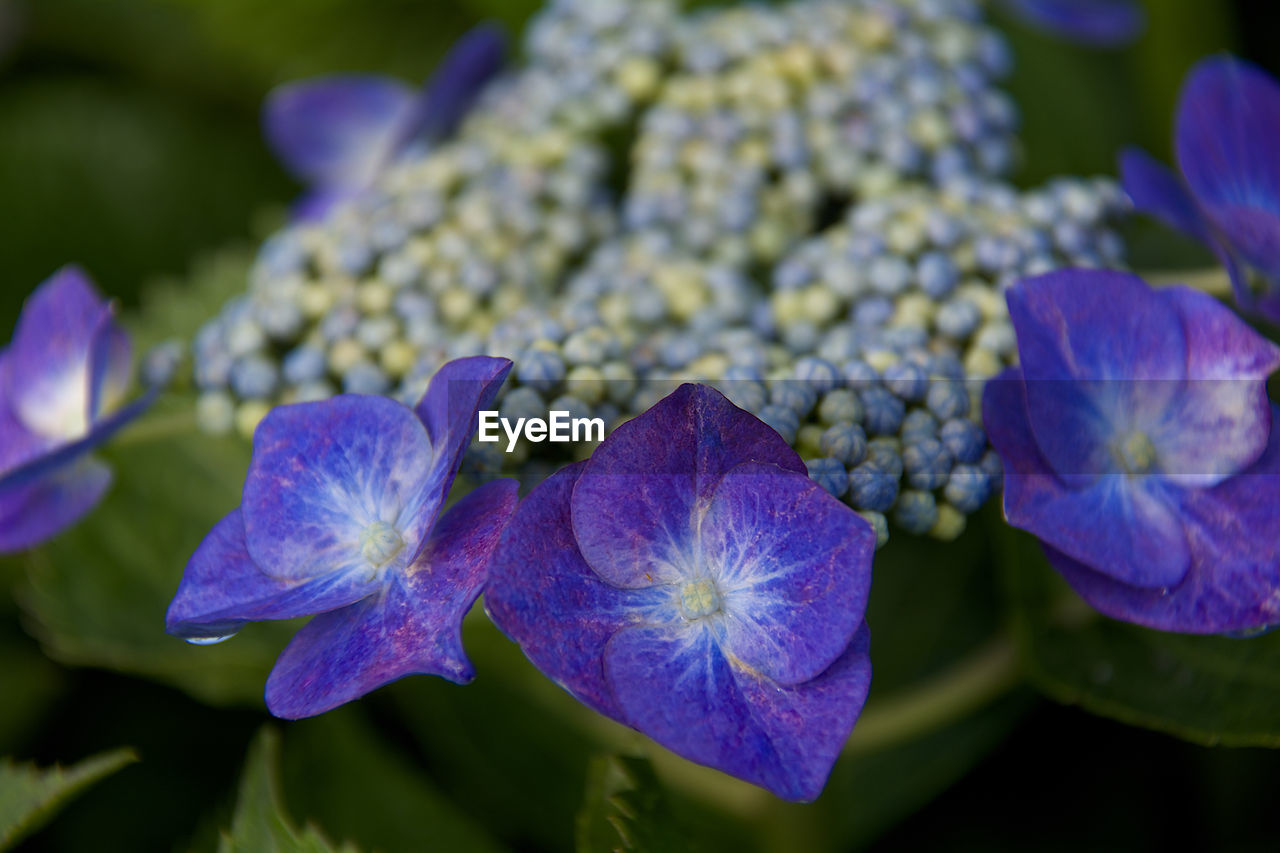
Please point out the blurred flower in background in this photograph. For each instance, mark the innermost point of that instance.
(1100, 23)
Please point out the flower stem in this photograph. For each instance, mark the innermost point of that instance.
(1212, 280)
(909, 714)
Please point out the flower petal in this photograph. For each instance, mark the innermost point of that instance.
(1234, 580)
(48, 361)
(414, 627)
(448, 409)
(323, 473)
(1100, 23)
(633, 506)
(468, 67)
(222, 589)
(110, 362)
(1155, 189)
(793, 566)
(1220, 421)
(675, 685)
(1228, 120)
(338, 131)
(1126, 529)
(17, 443)
(1102, 355)
(38, 510)
(544, 596)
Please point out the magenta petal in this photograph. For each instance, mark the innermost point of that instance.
(544, 596)
(633, 505)
(793, 566)
(1155, 189)
(459, 79)
(39, 510)
(675, 685)
(222, 589)
(449, 408)
(338, 131)
(413, 627)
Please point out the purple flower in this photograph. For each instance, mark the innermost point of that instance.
(1228, 195)
(1101, 23)
(62, 380)
(1137, 445)
(337, 133)
(691, 582)
(339, 518)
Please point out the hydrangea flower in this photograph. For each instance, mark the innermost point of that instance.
(62, 380)
(1101, 23)
(690, 581)
(1228, 195)
(1138, 446)
(337, 133)
(339, 518)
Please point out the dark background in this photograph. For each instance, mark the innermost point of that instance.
(129, 144)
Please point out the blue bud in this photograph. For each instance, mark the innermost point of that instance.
(916, 512)
(872, 488)
(830, 474)
(964, 440)
(884, 411)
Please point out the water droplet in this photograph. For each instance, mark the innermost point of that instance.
(210, 641)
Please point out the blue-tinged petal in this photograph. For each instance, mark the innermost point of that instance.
(413, 627)
(39, 510)
(459, 79)
(674, 684)
(1102, 355)
(448, 409)
(633, 506)
(793, 567)
(345, 484)
(1234, 580)
(48, 361)
(338, 131)
(1125, 527)
(1101, 23)
(1228, 121)
(1220, 421)
(110, 363)
(1155, 189)
(222, 589)
(17, 443)
(544, 596)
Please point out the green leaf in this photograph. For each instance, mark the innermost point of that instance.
(260, 824)
(626, 809)
(360, 787)
(30, 796)
(1210, 690)
(97, 594)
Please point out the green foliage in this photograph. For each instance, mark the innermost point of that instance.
(626, 810)
(260, 824)
(30, 796)
(1210, 690)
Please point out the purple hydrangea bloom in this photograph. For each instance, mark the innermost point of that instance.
(1137, 445)
(63, 378)
(337, 133)
(691, 582)
(1228, 195)
(1101, 23)
(341, 517)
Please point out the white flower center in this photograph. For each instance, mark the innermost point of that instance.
(1136, 453)
(699, 599)
(380, 543)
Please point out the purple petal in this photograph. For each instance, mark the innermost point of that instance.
(1228, 121)
(1102, 356)
(110, 363)
(544, 596)
(326, 477)
(1125, 528)
(413, 628)
(48, 361)
(1220, 421)
(1100, 23)
(338, 131)
(793, 567)
(222, 589)
(39, 510)
(675, 685)
(448, 409)
(1233, 581)
(633, 505)
(459, 79)
(17, 443)
(1155, 189)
